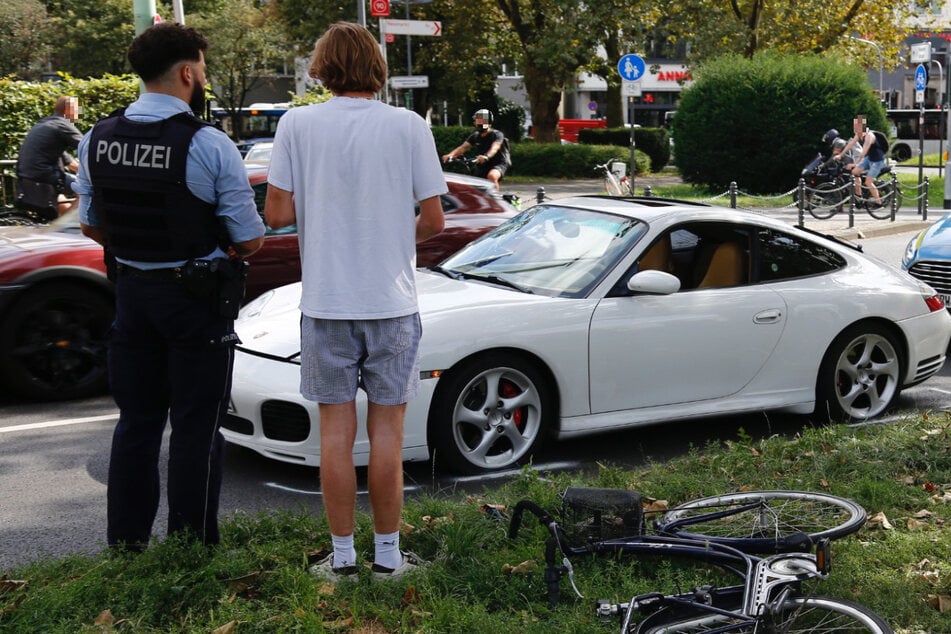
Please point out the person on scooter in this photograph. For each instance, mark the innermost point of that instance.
(870, 161)
(837, 143)
(493, 148)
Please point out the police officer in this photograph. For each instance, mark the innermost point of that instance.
(169, 198)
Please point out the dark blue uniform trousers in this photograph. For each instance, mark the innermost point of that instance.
(170, 359)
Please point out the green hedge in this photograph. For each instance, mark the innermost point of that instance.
(759, 121)
(655, 142)
(551, 160)
(23, 103)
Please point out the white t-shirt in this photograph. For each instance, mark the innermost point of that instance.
(356, 168)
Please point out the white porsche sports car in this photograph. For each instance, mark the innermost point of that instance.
(593, 314)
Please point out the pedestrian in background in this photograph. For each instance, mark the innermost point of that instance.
(349, 173)
(45, 153)
(166, 193)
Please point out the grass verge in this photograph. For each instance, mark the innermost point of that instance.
(480, 581)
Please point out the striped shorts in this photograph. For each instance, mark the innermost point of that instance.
(378, 355)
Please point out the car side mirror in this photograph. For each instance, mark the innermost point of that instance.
(654, 283)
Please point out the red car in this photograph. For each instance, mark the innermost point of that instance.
(56, 305)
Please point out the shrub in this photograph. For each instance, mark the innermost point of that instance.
(655, 142)
(758, 121)
(23, 103)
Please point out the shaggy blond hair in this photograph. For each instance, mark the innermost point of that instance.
(346, 58)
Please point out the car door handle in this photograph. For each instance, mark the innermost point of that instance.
(769, 316)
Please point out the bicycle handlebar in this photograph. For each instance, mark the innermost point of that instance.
(544, 517)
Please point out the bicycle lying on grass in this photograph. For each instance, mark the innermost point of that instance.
(613, 185)
(729, 532)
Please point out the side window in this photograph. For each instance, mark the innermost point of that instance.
(782, 256)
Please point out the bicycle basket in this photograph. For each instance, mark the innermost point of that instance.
(593, 515)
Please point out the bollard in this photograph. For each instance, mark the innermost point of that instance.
(733, 194)
(801, 201)
(540, 195)
(851, 209)
(647, 192)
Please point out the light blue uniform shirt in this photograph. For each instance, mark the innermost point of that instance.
(214, 172)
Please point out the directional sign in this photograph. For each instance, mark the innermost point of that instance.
(409, 81)
(411, 27)
(631, 67)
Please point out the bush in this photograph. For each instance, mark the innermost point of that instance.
(654, 142)
(758, 121)
(23, 103)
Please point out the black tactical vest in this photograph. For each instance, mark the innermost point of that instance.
(146, 210)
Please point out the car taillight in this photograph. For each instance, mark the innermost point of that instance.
(934, 302)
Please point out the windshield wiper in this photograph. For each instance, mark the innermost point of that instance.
(501, 281)
(450, 274)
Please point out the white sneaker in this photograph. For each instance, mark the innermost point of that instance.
(410, 562)
(325, 570)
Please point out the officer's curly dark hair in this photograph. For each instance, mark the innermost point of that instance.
(163, 45)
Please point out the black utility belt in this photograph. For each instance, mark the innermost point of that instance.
(219, 279)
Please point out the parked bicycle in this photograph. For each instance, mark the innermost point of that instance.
(762, 538)
(613, 185)
(828, 188)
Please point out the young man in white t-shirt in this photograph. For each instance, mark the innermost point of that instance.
(349, 172)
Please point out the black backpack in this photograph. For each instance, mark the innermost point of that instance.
(882, 140)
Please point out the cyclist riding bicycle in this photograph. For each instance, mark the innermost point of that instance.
(494, 158)
(871, 158)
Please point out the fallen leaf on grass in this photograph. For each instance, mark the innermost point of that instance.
(940, 602)
(435, 522)
(923, 514)
(880, 520)
(339, 624)
(914, 524)
(411, 596)
(925, 571)
(227, 628)
(523, 568)
(9, 585)
(652, 505)
(105, 618)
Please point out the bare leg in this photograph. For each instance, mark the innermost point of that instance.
(338, 478)
(385, 474)
(495, 177)
(870, 184)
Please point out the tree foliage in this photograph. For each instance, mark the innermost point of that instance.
(24, 41)
(556, 38)
(745, 27)
(90, 39)
(245, 46)
(758, 121)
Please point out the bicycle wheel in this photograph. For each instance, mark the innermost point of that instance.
(825, 201)
(611, 184)
(760, 521)
(799, 615)
(886, 192)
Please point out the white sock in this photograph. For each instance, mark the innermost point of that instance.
(387, 550)
(344, 553)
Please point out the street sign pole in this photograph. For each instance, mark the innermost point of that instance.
(631, 68)
(921, 84)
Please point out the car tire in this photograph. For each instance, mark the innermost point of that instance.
(488, 414)
(860, 375)
(53, 342)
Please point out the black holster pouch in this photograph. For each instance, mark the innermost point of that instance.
(232, 275)
(112, 269)
(222, 280)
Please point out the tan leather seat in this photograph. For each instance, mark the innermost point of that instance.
(657, 257)
(727, 267)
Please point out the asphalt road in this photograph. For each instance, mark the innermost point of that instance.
(54, 461)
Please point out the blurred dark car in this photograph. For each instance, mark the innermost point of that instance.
(56, 305)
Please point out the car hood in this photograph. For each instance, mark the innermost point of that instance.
(275, 328)
(935, 242)
(15, 241)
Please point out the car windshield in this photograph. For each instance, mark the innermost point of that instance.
(549, 250)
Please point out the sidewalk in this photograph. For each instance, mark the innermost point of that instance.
(863, 225)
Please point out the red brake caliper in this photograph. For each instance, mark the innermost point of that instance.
(510, 390)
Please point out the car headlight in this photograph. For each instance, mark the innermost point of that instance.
(912, 249)
(256, 306)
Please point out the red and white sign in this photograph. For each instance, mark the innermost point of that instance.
(390, 38)
(411, 27)
(380, 8)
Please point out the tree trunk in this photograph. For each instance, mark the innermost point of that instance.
(544, 103)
